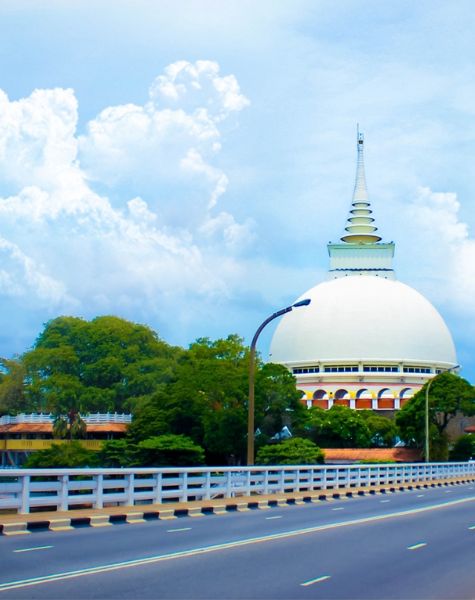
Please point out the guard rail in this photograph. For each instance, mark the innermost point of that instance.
(63, 489)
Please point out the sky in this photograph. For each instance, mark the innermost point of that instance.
(184, 163)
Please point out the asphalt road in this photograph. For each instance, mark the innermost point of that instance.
(405, 545)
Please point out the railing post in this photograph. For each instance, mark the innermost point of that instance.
(282, 481)
(64, 492)
(266, 481)
(228, 485)
(99, 491)
(158, 488)
(130, 489)
(25, 494)
(184, 486)
(208, 485)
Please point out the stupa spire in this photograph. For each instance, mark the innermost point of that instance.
(360, 226)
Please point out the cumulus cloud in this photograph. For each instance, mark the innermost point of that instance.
(448, 248)
(84, 217)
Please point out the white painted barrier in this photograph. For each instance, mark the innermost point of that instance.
(62, 489)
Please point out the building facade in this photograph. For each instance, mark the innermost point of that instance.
(366, 340)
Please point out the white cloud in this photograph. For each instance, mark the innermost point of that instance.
(67, 246)
(448, 250)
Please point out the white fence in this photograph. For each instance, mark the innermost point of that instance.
(63, 489)
(49, 418)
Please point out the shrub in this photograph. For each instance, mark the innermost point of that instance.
(295, 451)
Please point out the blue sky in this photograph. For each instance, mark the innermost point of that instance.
(184, 164)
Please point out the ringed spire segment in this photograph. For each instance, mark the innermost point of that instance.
(360, 226)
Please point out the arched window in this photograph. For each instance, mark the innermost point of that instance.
(385, 399)
(363, 399)
(320, 399)
(342, 397)
(404, 395)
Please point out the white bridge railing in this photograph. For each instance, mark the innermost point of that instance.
(64, 489)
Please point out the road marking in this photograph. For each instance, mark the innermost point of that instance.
(316, 580)
(420, 495)
(417, 546)
(472, 527)
(470, 488)
(448, 491)
(276, 517)
(338, 508)
(32, 549)
(107, 568)
(178, 529)
(383, 501)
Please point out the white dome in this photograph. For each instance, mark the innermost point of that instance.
(363, 318)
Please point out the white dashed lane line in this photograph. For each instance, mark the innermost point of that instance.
(32, 549)
(274, 517)
(383, 501)
(338, 508)
(179, 529)
(420, 495)
(316, 580)
(472, 527)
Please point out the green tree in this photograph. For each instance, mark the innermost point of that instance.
(207, 400)
(119, 453)
(278, 401)
(170, 451)
(107, 364)
(383, 430)
(449, 395)
(69, 455)
(463, 449)
(338, 427)
(294, 451)
(12, 387)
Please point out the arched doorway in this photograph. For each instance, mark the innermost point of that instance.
(364, 399)
(385, 399)
(342, 397)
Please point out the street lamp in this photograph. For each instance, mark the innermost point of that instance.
(427, 450)
(252, 360)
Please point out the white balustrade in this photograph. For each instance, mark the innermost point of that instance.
(49, 418)
(62, 489)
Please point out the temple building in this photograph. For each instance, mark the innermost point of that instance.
(366, 340)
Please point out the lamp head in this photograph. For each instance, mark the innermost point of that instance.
(305, 302)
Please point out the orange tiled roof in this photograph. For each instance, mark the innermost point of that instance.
(356, 454)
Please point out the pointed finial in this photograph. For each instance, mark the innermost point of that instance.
(360, 229)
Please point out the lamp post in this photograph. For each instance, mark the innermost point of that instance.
(252, 360)
(427, 449)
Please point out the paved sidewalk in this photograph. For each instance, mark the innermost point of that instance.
(18, 524)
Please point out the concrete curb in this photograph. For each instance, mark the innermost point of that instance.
(18, 524)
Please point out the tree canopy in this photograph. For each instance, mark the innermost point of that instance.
(449, 395)
(101, 365)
